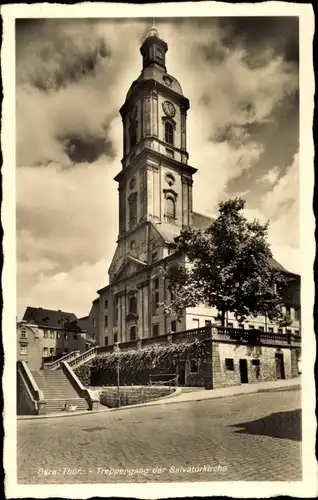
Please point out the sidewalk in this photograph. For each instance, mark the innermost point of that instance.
(185, 397)
(202, 395)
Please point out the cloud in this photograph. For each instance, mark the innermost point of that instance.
(271, 176)
(280, 206)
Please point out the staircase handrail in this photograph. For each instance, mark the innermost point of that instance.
(57, 362)
(82, 391)
(78, 360)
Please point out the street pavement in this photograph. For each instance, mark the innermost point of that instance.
(251, 437)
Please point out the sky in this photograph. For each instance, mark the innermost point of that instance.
(72, 76)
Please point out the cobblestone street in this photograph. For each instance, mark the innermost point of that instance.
(249, 437)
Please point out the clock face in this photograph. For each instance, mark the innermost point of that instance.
(169, 108)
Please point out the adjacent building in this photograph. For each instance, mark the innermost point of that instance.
(44, 335)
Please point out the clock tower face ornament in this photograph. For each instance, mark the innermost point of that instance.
(169, 108)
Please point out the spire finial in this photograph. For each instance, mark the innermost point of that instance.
(153, 31)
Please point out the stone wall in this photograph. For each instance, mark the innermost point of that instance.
(108, 396)
(25, 403)
(264, 354)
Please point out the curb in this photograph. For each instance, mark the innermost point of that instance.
(160, 402)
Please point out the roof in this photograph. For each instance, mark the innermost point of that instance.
(49, 318)
(202, 222)
(291, 293)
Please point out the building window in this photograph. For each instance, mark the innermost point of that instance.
(194, 366)
(58, 335)
(251, 327)
(94, 322)
(170, 208)
(173, 326)
(65, 336)
(106, 321)
(106, 341)
(296, 332)
(154, 256)
(74, 336)
(208, 322)
(23, 334)
(280, 330)
(241, 326)
(51, 350)
(195, 323)
(172, 295)
(155, 330)
(288, 330)
(229, 364)
(132, 304)
(52, 334)
(155, 296)
(132, 333)
(45, 334)
(106, 304)
(297, 314)
(116, 310)
(261, 328)
(115, 338)
(288, 312)
(45, 351)
(230, 325)
(271, 329)
(23, 349)
(169, 133)
(255, 362)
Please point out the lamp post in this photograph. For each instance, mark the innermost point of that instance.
(117, 349)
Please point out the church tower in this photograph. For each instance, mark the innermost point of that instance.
(155, 183)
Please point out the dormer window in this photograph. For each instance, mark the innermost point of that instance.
(169, 133)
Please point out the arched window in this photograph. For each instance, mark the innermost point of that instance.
(170, 208)
(169, 133)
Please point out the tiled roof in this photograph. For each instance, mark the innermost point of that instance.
(51, 319)
(200, 221)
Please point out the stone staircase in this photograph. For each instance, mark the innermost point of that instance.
(58, 390)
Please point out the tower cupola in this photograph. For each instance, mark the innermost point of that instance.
(153, 50)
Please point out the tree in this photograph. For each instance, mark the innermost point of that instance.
(228, 266)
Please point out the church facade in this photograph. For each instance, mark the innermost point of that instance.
(155, 202)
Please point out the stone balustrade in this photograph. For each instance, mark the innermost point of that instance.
(216, 333)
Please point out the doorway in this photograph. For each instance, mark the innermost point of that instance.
(280, 370)
(181, 372)
(243, 371)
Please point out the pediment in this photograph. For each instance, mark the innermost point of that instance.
(129, 267)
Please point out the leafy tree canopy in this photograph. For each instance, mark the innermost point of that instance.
(228, 266)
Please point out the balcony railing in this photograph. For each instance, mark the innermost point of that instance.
(239, 335)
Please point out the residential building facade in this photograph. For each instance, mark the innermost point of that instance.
(45, 334)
